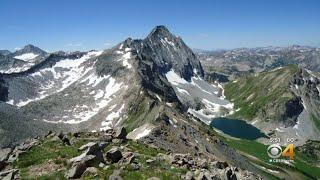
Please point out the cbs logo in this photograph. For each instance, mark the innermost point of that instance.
(275, 151)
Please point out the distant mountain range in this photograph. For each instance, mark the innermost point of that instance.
(260, 59)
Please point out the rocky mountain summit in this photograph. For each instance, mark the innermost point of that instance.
(107, 155)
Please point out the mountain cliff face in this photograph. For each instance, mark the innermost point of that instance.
(3, 90)
(172, 52)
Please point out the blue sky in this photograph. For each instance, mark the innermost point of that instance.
(212, 24)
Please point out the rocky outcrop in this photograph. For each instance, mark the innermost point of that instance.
(293, 108)
(9, 174)
(4, 155)
(120, 133)
(168, 51)
(80, 165)
(212, 77)
(124, 156)
(114, 155)
(3, 90)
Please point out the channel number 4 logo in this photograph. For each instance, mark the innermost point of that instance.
(275, 151)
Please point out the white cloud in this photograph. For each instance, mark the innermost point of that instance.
(17, 48)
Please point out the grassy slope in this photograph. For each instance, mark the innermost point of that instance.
(261, 95)
(59, 154)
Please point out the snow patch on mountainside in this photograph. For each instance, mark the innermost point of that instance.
(17, 69)
(141, 131)
(175, 79)
(125, 57)
(202, 94)
(58, 77)
(102, 100)
(107, 124)
(27, 56)
(93, 79)
(183, 91)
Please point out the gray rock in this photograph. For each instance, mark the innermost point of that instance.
(115, 175)
(204, 175)
(76, 171)
(230, 175)
(233, 177)
(60, 135)
(207, 175)
(8, 175)
(201, 176)
(92, 148)
(102, 165)
(4, 155)
(91, 170)
(76, 135)
(28, 144)
(116, 141)
(114, 155)
(49, 134)
(65, 140)
(102, 145)
(189, 176)
(149, 161)
(127, 157)
(120, 133)
(107, 137)
(135, 166)
(55, 139)
(221, 165)
(14, 155)
(80, 165)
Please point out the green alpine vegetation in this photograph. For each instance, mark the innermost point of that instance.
(50, 160)
(261, 95)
